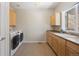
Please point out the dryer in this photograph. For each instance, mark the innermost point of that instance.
(16, 40)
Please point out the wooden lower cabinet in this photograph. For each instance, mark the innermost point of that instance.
(71, 52)
(57, 44)
(61, 46)
(72, 49)
(52, 42)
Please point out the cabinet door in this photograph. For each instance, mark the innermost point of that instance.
(72, 46)
(54, 43)
(70, 52)
(61, 46)
(49, 40)
(12, 18)
(57, 44)
(52, 20)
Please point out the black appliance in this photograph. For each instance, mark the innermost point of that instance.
(21, 37)
(15, 41)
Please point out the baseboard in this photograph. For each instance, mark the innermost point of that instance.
(34, 41)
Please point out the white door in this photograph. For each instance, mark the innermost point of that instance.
(4, 28)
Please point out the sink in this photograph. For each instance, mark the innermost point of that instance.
(70, 36)
(66, 35)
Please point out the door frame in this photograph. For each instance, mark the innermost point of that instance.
(4, 25)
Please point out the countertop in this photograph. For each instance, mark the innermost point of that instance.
(72, 38)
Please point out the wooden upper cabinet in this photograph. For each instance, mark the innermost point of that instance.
(12, 20)
(55, 20)
(52, 20)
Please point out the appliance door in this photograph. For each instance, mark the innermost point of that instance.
(15, 41)
(21, 37)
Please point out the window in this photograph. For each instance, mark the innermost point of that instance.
(72, 19)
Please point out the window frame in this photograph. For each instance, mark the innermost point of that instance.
(76, 24)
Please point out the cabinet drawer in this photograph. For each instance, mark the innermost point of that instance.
(73, 46)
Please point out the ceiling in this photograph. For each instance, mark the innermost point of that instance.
(26, 5)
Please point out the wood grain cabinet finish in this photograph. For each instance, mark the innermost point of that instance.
(62, 47)
(52, 20)
(71, 52)
(72, 49)
(49, 40)
(57, 44)
(12, 19)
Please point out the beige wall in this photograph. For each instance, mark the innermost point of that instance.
(34, 23)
